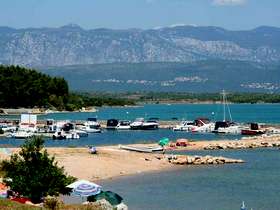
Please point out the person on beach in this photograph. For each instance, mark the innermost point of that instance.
(92, 150)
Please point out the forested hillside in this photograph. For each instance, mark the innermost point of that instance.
(20, 87)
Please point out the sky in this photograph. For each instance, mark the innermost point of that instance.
(122, 14)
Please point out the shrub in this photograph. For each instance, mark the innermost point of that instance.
(33, 174)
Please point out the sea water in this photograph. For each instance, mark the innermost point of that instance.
(219, 187)
(265, 113)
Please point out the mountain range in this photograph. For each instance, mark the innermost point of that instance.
(73, 45)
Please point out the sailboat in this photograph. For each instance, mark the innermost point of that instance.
(226, 126)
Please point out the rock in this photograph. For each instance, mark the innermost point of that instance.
(101, 204)
(121, 206)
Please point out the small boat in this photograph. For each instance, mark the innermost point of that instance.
(22, 134)
(141, 149)
(202, 125)
(141, 124)
(81, 133)
(226, 126)
(72, 135)
(90, 126)
(123, 125)
(184, 126)
(112, 124)
(150, 125)
(253, 130)
(60, 135)
(7, 128)
(137, 124)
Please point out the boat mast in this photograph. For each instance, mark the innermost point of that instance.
(224, 104)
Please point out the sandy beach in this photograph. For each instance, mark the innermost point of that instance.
(108, 163)
(112, 162)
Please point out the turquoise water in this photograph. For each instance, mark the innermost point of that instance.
(207, 187)
(122, 137)
(266, 113)
(189, 188)
(269, 113)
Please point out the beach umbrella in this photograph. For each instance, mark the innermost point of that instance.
(85, 188)
(113, 198)
(163, 142)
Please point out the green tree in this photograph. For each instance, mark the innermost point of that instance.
(33, 173)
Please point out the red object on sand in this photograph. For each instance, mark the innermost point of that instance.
(182, 143)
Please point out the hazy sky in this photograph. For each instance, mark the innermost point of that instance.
(231, 14)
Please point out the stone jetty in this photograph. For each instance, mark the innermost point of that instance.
(201, 160)
(242, 145)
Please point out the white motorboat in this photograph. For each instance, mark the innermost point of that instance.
(72, 135)
(150, 125)
(8, 128)
(60, 135)
(203, 125)
(22, 134)
(90, 126)
(227, 128)
(81, 133)
(184, 126)
(141, 124)
(137, 124)
(123, 125)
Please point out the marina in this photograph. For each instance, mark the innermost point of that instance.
(196, 156)
(77, 124)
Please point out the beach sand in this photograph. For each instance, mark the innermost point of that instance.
(109, 162)
(112, 162)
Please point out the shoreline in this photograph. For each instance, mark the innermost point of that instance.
(19, 111)
(111, 162)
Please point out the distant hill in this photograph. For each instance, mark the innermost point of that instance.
(72, 45)
(199, 76)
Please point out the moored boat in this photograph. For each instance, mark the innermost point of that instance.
(184, 126)
(112, 124)
(90, 126)
(226, 126)
(203, 125)
(253, 130)
(137, 124)
(22, 134)
(150, 125)
(123, 125)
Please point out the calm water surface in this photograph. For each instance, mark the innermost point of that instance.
(207, 187)
(189, 188)
(267, 113)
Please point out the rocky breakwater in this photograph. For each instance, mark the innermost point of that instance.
(242, 145)
(201, 160)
